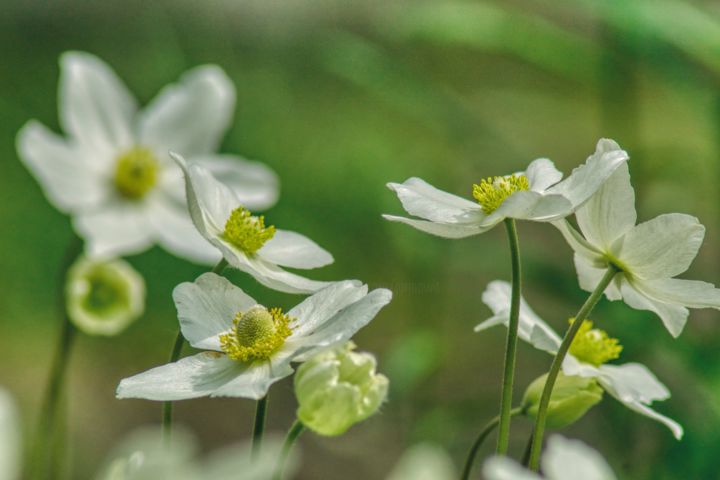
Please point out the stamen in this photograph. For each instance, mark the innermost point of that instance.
(247, 232)
(492, 191)
(594, 346)
(136, 172)
(256, 334)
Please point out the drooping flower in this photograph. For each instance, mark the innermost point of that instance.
(424, 461)
(647, 255)
(338, 388)
(244, 240)
(563, 460)
(103, 297)
(631, 383)
(111, 172)
(537, 194)
(9, 437)
(571, 398)
(250, 347)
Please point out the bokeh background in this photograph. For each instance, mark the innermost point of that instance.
(339, 98)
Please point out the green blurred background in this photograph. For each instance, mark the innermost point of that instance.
(339, 98)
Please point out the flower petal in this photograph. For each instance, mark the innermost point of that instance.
(191, 377)
(255, 380)
(585, 180)
(445, 230)
(529, 205)
(579, 245)
(318, 308)
(541, 174)
(67, 180)
(206, 308)
(662, 247)
(421, 199)
(503, 468)
(571, 366)
(291, 249)
(610, 212)
(589, 277)
(675, 428)
(674, 317)
(688, 293)
(572, 460)
(95, 107)
(192, 115)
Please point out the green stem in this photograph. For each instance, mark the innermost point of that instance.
(526, 453)
(292, 436)
(167, 409)
(512, 336)
(582, 314)
(259, 427)
(487, 430)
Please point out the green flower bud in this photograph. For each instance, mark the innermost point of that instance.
(338, 388)
(103, 297)
(570, 399)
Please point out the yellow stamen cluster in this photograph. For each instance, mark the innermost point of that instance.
(594, 346)
(256, 334)
(247, 232)
(492, 191)
(136, 172)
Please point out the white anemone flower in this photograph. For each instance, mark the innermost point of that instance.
(563, 460)
(244, 240)
(424, 461)
(250, 347)
(648, 255)
(111, 171)
(537, 194)
(632, 384)
(9, 437)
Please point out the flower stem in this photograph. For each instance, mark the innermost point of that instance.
(512, 336)
(582, 314)
(174, 356)
(479, 441)
(259, 427)
(293, 434)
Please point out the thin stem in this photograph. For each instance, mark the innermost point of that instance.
(487, 430)
(526, 454)
(582, 314)
(259, 427)
(292, 436)
(511, 343)
(220, 266)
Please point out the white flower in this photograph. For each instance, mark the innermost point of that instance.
(244, 240)
(9, 437)
(563, 460)
(112, 173)
(250, 347)
(631, 383)
(536, 194)
(103, 297)
(424, 461)
(649, 255)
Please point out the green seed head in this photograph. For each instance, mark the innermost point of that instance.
(136, 172)
(256, 334)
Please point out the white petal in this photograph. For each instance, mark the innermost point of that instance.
(255, 381)
(503, 468)
(318, 308)
(291, 249)
(424, 461)
(445, 230)
(688, 293)
(421, 199)
(571, 366)
(610, 213)
(528, 205)
(674, 317)
(256, 186)
(95, 107)
(675, 428)
(573, 460)
(191, 377)
(192, 115)
(662, 247)
(206, 308)
(589, 277)
(632, 382)
(269, 274)
(10, 440)
(118, 228)
(586, 179)
(531, 328)
(541, 174)
(579, 245)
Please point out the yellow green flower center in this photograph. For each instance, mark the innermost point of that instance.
(136, 172)
(256, 334)
(492, 191)
(247, 232)
(594, 346)
(105, 290)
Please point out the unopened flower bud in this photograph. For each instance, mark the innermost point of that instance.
(570, 399)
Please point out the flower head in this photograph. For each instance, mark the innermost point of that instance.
(244, 240)
(537, 194)
(338, 388)
(647, 255)
(104, 297)
(111, 171)
(632, 384)
(249, 346)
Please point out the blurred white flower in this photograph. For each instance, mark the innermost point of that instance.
(103, 297)
(9, 438)
(563, 460)
(648, 255)
(112, 172)
(250, 346)
(536, 194)
(631, 383)
(424, 461)
(244, 240)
